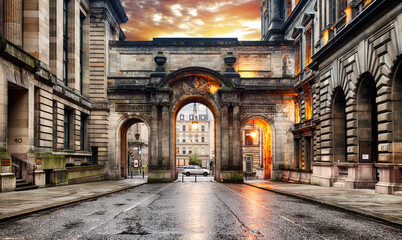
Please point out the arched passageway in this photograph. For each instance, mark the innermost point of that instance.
(397, 113)
(367, 120)
(195, 133)
(257, 149)
(339, 125)
(134, 147)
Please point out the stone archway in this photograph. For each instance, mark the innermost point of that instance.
(367, 120)
(175, 111)
(118, 168)
(339, 125)
(267, 148)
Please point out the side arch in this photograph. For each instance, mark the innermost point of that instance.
(120, 135)
(271, 159)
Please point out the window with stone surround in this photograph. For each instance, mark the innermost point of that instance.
(297, 56)
(308, 35)
(190, 150)
(184, 127)
(297, 111)
(184, 150)
(308, 101)
(67, 128)
(83, 132)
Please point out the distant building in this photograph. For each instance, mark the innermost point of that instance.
(194, 142)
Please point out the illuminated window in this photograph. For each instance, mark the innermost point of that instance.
(297, 112)
(308, 46)
(289, 11)
(308, 101)
(297, 57)
(367, 2)
(177, 150)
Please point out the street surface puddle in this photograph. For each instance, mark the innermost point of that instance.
(119, 204)
(72, 225)
(99, 213)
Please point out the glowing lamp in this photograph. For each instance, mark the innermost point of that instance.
(253, 134)
(195, 125)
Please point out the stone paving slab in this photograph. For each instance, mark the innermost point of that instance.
(15, 204)
(366, 202)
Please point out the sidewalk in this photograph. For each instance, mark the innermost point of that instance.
(14, 204)
(366, 202)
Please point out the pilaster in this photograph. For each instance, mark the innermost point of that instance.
(13, 21)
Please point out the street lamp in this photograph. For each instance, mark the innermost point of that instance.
(195, 122)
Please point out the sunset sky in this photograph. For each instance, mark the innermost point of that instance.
(192, 18)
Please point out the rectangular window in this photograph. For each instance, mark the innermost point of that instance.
(190, 150)
(177, 150)
(202, 139)
(184, 150)
(182, 118)
(308, 46)
(190, 139)
(203, 128)
(67, 122)
(297, 112)
(308, 101)
(178, 139)
(196, 139)
(196, 150)
(65, 41)
(84, 118)
(203, 151)
(184, 139)
(184, 128)
(191, 117)
(54, 124)
(82, 19)
(297, 57)
(249, 138)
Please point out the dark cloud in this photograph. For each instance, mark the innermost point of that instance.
(190, 18)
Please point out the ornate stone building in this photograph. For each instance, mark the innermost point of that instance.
(347, 77)
(51, 55)
(323, 85)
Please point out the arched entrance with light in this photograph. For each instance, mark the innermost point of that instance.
(257, 149)
(195, 134)
(135, 135)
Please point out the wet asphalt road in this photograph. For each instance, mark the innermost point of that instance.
(203, 210)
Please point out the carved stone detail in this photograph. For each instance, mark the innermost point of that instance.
(133, 108)
(258, 109)
(195, 85)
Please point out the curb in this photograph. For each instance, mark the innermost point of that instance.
(333, 206)
(21, 213)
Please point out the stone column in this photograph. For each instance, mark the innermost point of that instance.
(154, 137)
(13, 21)
(237, 159)
(225, 137)
(165, 137)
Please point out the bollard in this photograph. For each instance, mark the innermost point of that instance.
(143, 174)
(131, 173)
(182, 178)
(195, 177)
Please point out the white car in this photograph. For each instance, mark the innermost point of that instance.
(194, 170)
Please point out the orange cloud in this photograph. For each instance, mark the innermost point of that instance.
(189, 18)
